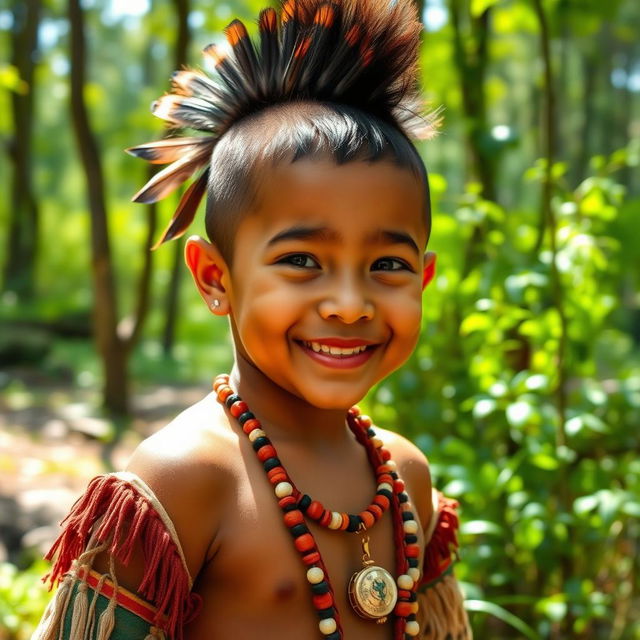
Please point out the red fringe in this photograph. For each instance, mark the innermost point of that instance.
(442, 548)
(126, 518)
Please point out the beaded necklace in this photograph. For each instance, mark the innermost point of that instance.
(372, 592)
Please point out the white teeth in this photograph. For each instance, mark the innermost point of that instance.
(335, 351)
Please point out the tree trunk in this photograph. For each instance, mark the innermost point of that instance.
(182, 8)
(22, 239)
(112, 350)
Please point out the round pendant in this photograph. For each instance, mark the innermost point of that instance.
(373, 593)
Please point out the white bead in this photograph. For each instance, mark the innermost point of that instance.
(410, 526)
(256, 433)
(405, 582)
(283, 489)
(391, 464)
(385, 485)
(412, 628)
(414, 572)
(327, 626)
(336, 520)
(315, 575)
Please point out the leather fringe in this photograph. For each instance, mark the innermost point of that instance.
(442, 612)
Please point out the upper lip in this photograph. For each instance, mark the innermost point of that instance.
(343, 343)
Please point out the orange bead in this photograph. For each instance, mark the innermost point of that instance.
(238, 408)
(383, 468)
(315, 510)
(403, 609)
(375, 510)
(326, 518)
(304, 542)
(292, 518)
(250, 425)
(382, 502)
(367, 519)
(276, 471)
(311, 558)
(398, 486)
(345, 522)
(266, 452)
(286, 501)
(224, 393)
(385, 477)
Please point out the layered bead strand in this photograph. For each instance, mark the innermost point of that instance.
(295, 506)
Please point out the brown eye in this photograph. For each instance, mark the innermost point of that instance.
(390, 264)
(299, 260)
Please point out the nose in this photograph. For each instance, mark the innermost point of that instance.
(347, 301)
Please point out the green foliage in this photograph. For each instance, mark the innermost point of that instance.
(23, 598)
(550, 508)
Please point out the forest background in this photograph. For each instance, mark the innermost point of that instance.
(525, 388)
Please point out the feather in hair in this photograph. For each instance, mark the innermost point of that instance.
(362, 53)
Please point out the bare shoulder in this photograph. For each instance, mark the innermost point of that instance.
(189, 465)
(413, 468)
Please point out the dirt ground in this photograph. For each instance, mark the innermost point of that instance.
(53, 439)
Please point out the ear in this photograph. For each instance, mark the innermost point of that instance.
(208, 267)
(429, 270)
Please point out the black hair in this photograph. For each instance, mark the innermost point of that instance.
(289, 132)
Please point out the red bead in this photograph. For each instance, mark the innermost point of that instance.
(238, 408)
(398, 486)
(286, 501)
(385, 454)
(412, 551)
(266, 452)
(385, 477)
(382, 502)
(311, 558)
(345, 522)
(383, 468)
(403, 609)
(354, 411)
(375, 510)
(325, 519)
(315, 510)
(323, 601)
(403, 593)
(367, 519)
(276, 471)
(304, 542)
(250, 425)
(292, 518)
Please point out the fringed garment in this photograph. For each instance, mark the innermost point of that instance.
(119, 511)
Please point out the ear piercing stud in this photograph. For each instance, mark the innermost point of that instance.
(215, 305)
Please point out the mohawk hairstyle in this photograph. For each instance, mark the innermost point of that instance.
(335, 76)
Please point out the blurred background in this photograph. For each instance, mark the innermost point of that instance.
(525, 389)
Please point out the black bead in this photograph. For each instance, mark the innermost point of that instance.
(386, 493)
(320, 588)
(394, 475)
(298, 530)
(290, 507)
(243, 417)
(333, 636)
(354, 523)
(413, 597)
(407, 515)
(371, 433)
(304, 502)
(271, 463)
(403, 497)
(411, 617)
(260, 442)
(410, 538)
(234, 397)
(329, 612)
(413, 562)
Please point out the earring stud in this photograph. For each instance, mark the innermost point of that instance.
(215, 305)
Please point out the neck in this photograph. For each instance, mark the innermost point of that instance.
(286, 416)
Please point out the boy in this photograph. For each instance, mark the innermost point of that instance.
(251, 515)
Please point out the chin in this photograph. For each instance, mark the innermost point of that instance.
(338, 400)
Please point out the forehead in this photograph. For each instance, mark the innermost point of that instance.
(355, 199)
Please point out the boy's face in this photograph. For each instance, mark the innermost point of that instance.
(326, 284)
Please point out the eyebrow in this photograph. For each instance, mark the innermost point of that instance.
(392, 236)
(383, 236)
(301, 232)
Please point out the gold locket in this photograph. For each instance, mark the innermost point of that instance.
(372, 590)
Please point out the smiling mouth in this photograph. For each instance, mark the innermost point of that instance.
(337, 352)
